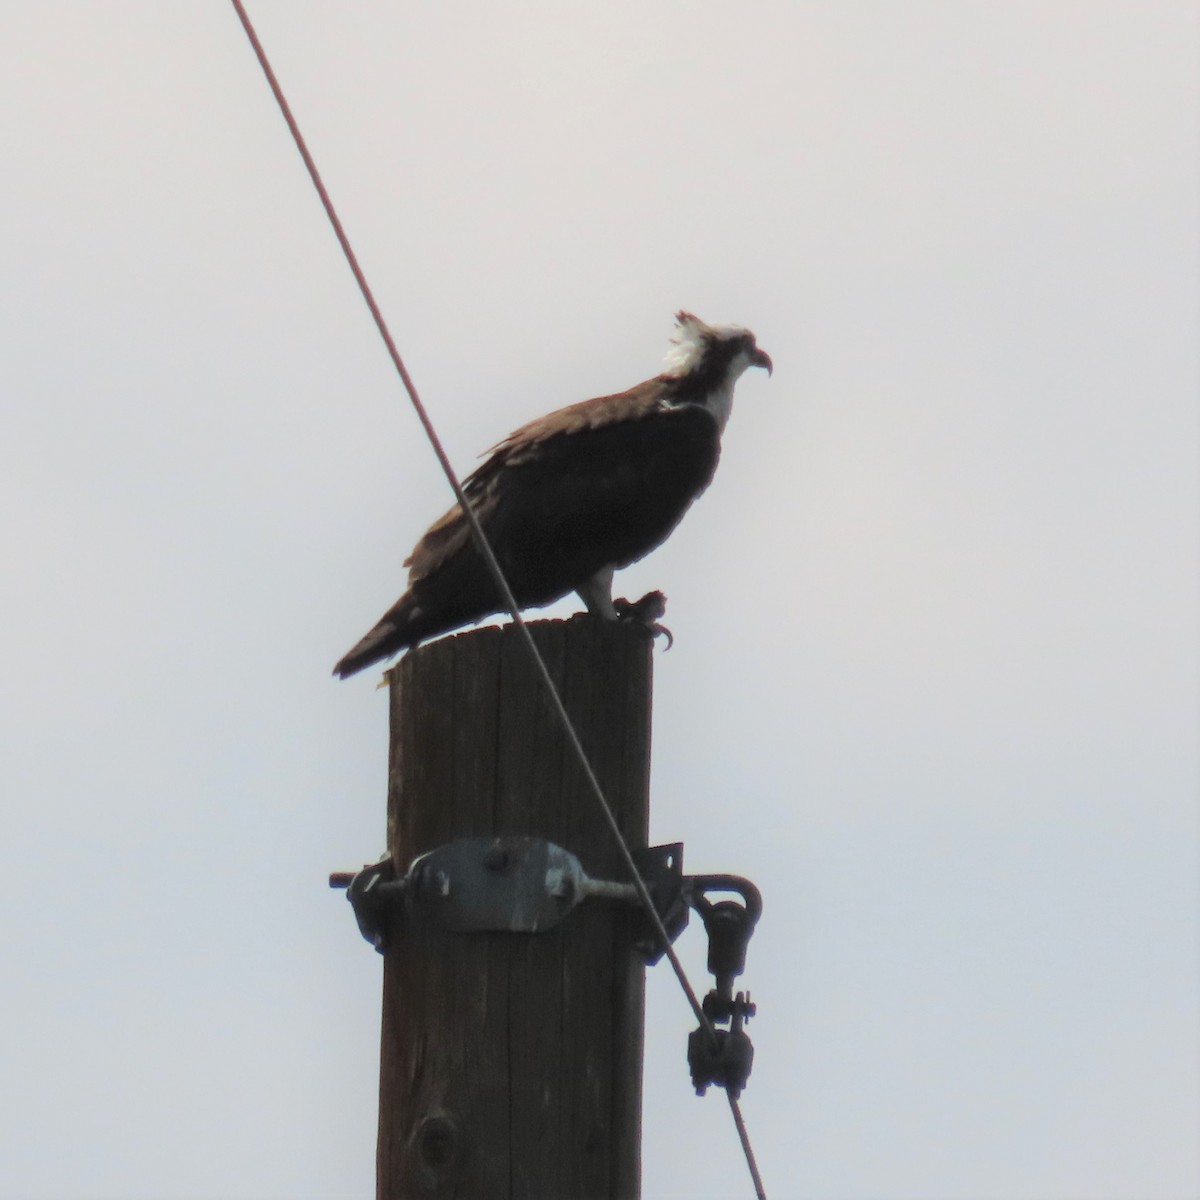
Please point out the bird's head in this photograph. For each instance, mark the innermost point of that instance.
(714, 354)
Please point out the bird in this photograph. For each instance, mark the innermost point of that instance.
(572, 497)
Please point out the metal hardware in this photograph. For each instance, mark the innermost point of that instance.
(509, 884)
(513, 885)
(725, 1061)
(661, 869)
(372, 893)
(527, 885)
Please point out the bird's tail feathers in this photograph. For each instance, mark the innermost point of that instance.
(397, 629)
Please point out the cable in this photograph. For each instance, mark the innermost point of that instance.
(748, 1150)
(493, 566)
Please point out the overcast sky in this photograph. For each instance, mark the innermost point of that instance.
(934, 686)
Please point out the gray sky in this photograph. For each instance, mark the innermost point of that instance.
(934, 685)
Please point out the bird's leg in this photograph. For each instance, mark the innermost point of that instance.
(647, 612)
(596, 593)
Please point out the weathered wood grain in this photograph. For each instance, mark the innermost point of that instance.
(511, 1063)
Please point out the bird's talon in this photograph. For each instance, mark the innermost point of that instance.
(646, 612)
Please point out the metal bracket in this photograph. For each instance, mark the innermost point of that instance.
(661, 869)
(527, 885)
(507, 884)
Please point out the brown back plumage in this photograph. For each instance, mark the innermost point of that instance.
(599, 483)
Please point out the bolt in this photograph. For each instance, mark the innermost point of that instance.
(496, 857)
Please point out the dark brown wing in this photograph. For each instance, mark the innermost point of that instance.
(598, 484)
(450, 533)
(601, 483)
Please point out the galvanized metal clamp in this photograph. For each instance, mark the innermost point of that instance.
(507, 884)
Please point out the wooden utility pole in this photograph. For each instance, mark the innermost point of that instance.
(511, 1062)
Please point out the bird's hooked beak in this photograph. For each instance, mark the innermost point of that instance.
(760, 358)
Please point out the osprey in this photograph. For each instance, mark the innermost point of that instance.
(570, 498)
